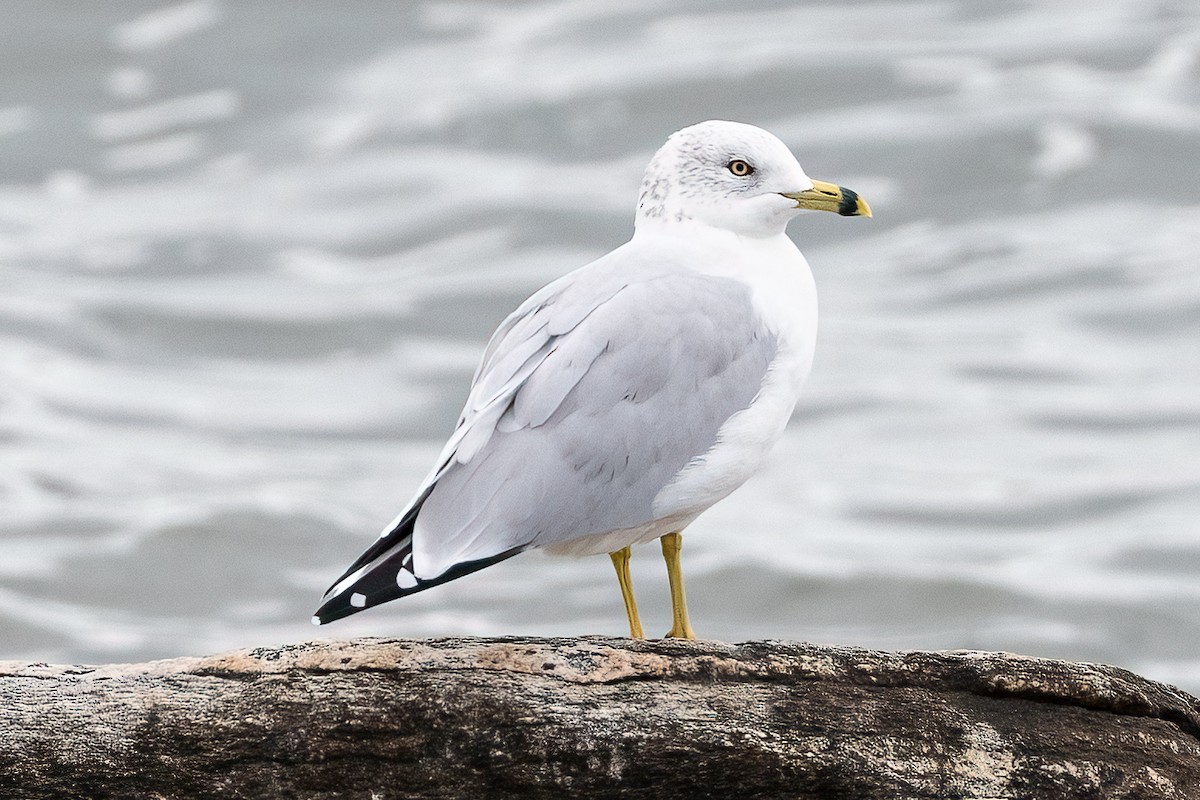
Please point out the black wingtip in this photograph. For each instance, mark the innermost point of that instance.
(332, 610)
(379, 585)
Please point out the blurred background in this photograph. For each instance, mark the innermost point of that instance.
(250, 253)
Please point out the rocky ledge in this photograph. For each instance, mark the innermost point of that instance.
(594, 717)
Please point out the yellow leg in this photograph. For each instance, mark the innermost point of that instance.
(620, 560)
(672, 543)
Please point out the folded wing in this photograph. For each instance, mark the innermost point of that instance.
(589, 399)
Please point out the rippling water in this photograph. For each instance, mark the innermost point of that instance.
(249, 255)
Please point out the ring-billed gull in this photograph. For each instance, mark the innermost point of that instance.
(622, 400)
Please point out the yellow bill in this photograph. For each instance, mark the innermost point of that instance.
(831, 197)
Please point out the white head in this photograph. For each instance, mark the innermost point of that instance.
(735, 177)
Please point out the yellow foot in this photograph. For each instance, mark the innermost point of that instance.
(681, 633)
(620, 561)
(672, 543)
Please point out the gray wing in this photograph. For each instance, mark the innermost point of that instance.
(589, 400)
(386, 569)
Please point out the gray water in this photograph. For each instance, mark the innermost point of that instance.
(250, 253)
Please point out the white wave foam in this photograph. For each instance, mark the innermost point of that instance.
(165, 151)
(163, 116)
(164, 26)
(16, 119)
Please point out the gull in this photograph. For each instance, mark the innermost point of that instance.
(622, 400)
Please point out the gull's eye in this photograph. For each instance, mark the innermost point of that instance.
(740, 168)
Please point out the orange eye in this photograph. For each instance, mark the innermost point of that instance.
(740, 168)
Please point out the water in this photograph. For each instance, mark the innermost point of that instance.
(250, 254)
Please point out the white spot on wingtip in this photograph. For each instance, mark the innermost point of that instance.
(405, 579)
(407, 559)
(316, 620)
(358, 600)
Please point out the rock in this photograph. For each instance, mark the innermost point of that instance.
(593, 717)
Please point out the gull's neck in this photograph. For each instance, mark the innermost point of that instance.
(697, 231)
